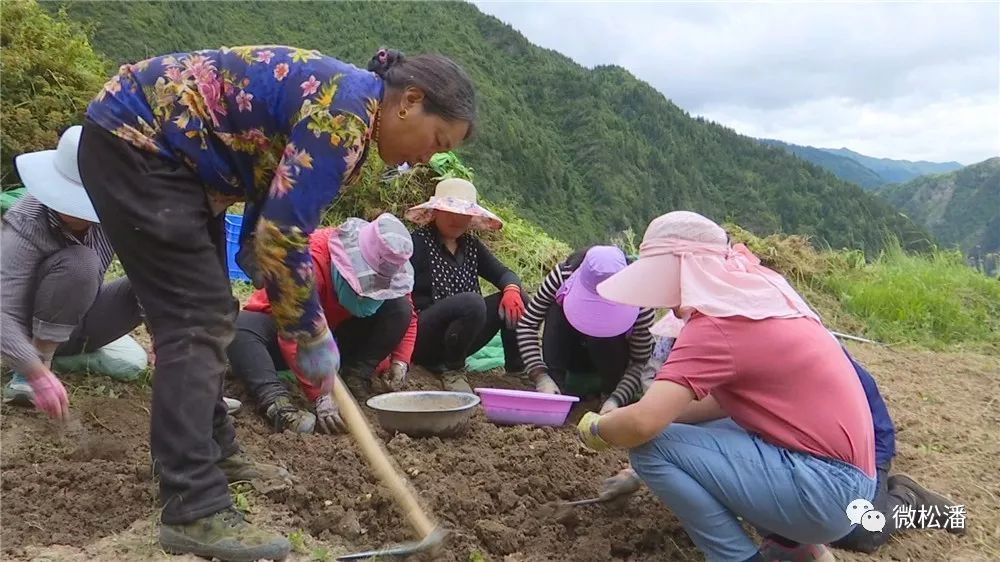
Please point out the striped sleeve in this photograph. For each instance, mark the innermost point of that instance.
(640, 342)
(528, 337)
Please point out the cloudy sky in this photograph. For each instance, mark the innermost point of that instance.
(916, 81)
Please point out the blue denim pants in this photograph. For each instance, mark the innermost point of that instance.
(712, 475)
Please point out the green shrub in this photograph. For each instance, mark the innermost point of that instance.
(49, 73)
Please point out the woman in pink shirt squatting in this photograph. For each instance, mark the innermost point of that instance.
(757, 413)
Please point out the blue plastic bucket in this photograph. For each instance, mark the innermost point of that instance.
(234, 224)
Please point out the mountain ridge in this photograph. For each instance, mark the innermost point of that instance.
(961, 208)
(583, 152)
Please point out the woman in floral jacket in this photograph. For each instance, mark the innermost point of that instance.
(167, 146)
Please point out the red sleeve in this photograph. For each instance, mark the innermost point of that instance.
(258, 302)
(701, 358)
(404, 351)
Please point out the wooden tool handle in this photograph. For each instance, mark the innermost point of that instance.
(379, 460)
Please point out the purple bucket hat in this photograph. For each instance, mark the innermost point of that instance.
(586, 310)
(374, 257)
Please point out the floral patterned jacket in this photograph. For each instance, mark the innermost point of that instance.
(277, 127)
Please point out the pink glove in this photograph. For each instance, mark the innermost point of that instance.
(50, 395)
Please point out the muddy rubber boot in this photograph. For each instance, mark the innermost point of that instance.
(455, 381)
(284, 415)
(226, 536)
(239, 468)
(936, 507)
(18, 391)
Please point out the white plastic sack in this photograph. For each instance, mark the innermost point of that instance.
(123, 360)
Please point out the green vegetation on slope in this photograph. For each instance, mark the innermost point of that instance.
(961, 208)
(50, 73)
(930, 299)
(585, 153)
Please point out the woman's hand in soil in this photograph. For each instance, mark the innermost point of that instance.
(395, 377)
(328, 416)
(589, 432)
(50, 395)
(609, 405)
(319, 360)
(620, 485)
(543, 382)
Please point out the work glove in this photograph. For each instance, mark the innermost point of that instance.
(49, 393)
(609, 405)
(511, 306)
(543, 382)
(319, 360)
(588, 431)
(328, 418)
(625, 483)
(393, 379)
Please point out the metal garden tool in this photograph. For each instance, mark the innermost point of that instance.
(431, 535)
(564, 510)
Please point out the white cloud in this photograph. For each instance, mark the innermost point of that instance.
(914, 81)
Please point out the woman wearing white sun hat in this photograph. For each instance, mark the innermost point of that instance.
(455, 320)
(54, 258)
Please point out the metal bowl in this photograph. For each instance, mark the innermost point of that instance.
(425, 412)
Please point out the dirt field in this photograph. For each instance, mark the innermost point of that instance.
(84, 492)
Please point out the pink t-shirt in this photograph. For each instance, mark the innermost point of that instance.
(787, 380)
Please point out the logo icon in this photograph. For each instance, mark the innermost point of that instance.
(858, 508)
(873, 521)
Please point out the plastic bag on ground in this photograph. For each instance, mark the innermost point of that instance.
(123, 360)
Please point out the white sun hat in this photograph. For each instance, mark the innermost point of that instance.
(53, 177)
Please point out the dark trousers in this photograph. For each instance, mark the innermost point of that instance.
(455, 327)
(255, 357)
(567, 350)
(75, 308)
(157, 217)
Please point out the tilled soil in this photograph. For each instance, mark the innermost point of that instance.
(84, 492)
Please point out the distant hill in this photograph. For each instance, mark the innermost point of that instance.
(866, 171)
(843, 167)
(896, 171)
(960, 208)
(584, 153)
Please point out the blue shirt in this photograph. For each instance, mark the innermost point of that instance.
(277, 127)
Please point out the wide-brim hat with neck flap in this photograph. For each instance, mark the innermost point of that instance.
(374, 257)
(53, 177)
(455, 195)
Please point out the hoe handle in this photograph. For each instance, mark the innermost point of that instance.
(379, 461)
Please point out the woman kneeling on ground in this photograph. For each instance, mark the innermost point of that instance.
(55, 300)
(586, 335)
(757, 414)
(364, 278)
(455, 320)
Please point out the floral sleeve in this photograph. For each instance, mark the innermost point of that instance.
(322, 152)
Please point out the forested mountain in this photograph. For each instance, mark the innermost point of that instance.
(961, 208)
(896, 171)
(583, 153)
(843, 167)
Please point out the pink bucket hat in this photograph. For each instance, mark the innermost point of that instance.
(374, 257)
(686, 263)
(586, 310)
(458, 196)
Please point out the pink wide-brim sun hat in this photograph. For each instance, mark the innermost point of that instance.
(374, 257)
(455, 195)
(653, 280)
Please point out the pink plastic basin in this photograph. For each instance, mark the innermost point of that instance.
(512, 407)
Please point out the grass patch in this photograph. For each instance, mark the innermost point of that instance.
(929, 299)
